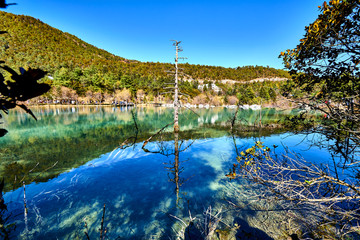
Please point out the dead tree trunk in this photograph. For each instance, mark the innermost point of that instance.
(176, 88)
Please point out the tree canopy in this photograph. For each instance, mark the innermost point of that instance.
(78, 65)
(329, 53)
(326, 65)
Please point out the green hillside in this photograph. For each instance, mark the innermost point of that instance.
(82, 67)
(34, 43)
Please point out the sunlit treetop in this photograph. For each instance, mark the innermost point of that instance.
(330, 49)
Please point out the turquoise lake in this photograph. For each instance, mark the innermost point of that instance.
(73, 160)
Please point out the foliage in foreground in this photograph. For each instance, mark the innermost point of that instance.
(325, 70)
(329, 54)
(324, 205)
(17, 88)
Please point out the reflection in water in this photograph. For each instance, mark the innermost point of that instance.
(173, 166)
(175, 169)
(71, 136)
(5, 227)
(132, 183)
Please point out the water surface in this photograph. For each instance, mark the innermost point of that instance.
(72, 164)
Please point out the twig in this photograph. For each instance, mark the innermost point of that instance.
(179, 220)
(45, 170)
(25, 211)
(234, 118)
(102, 224)
(190, 110)
(149, 139)
(86, 232)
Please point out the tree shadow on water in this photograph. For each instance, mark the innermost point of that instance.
(247, 232)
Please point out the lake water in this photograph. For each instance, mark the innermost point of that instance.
(73, 160)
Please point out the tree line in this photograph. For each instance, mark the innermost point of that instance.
(90, 71)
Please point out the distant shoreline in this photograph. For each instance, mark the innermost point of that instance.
(169, 105)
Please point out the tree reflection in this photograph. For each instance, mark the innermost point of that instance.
(174, 167)
(323, 196)
(5, 227)
(73, 136)
(167, 149)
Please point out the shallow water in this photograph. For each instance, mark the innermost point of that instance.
(143, 196)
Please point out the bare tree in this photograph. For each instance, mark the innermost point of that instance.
(89, 96)
(176, 87)
(325, 200)
(140, 95)
(123, 95)
(97, 96)
(232, 100)
(200, 99)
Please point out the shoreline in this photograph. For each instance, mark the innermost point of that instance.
(253, 107)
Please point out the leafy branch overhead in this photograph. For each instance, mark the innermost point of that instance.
(330, 50)
(20, 87)
(23, 87)
(3, 4)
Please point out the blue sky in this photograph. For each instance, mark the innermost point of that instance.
(219, 33)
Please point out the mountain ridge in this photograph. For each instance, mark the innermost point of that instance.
(46, 37)
(83, 67)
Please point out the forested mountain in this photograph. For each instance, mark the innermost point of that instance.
(34, 43)
(82, 67)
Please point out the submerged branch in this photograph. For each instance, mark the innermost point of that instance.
(157, 133)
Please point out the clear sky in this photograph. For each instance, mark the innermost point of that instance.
(219, 33)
